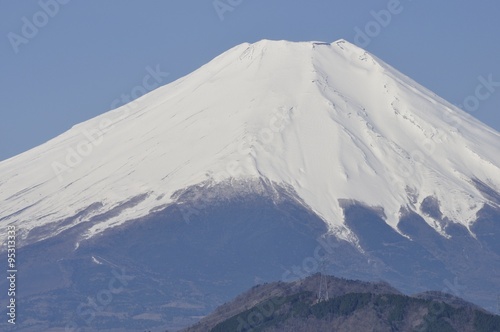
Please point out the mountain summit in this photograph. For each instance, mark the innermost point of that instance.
(331, 122)
(274, 161)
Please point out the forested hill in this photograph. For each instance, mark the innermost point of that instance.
(345, 305)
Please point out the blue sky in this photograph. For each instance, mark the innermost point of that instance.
(65, 61)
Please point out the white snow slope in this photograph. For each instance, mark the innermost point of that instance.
(330, 120)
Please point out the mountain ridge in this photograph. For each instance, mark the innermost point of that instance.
(271, 162)
(349, 306)
(328, 119)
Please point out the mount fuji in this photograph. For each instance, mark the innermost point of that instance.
(242, 172)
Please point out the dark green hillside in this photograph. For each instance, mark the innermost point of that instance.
(351, 306)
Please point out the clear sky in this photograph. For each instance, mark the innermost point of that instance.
(65, 61)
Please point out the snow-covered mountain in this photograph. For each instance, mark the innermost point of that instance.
(331, 121)
(273, 161)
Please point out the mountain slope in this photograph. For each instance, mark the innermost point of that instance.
(330, 121)
(274, 161)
